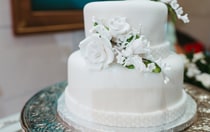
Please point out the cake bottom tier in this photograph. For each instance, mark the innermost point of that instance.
(126, 119)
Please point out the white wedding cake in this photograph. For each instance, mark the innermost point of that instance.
(125, 74)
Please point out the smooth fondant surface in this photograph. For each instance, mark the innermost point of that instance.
(148, 16)
(115, 94)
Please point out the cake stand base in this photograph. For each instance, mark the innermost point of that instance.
(39, 114)
(81, 125)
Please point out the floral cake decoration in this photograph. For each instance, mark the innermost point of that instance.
(175, 10)
(115, 41)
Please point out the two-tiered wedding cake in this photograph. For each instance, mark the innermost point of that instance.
(125, 74)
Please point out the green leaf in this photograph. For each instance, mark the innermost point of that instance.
(172, 13)
(190, 56)
(147, 62)
(205, 68)
(157, 67)
(130, 67)
(130, 39)
(137, 36)
(95, 24)
(207, 56)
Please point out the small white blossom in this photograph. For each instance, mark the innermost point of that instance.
(184, 18)
(137, 62)
(198, 56)
(100, 29)
(192, 70)
(120, 59)
(151, 67)
(204, 79)
(203, 61)
(127, 52)
(139, 46)
(163, 65)
(174, 4)
(178, 10)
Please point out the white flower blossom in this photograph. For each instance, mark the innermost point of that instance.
(97, 51)
(127, 52)
(100, 29)
(151, 67)
(120, 59)
(184, 18)
(204, 79)
(174, 4)
(114, 40)
(192, 70)
(203, 61)
(178, 10)
(163, 65)
(140, 46)
(197, 56)
(137, 62)
(118, 26)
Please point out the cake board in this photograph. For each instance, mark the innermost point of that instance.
(40, 112)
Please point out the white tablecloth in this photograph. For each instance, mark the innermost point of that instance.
(11, 123)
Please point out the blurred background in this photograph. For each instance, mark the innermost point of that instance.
(32, 59)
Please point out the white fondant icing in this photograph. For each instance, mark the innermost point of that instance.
(150, 16)
(117, 96)
(125, 88)
(126, 119)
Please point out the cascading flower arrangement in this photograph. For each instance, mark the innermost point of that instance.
(175, 10)
(115, 41)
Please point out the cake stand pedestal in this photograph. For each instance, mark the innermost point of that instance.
(40, 112)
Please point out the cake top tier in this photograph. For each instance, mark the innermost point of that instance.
(148, 17)
(130, 33)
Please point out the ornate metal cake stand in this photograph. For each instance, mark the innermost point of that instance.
(40, 112)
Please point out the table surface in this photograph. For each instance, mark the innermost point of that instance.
(11, 123)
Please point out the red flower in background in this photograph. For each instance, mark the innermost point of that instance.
(193, 47)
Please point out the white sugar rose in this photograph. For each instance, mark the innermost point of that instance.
(118, 26)
(97, 51)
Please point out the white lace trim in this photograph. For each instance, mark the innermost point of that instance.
(119, 119)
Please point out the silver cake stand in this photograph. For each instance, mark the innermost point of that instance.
(40, 114)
